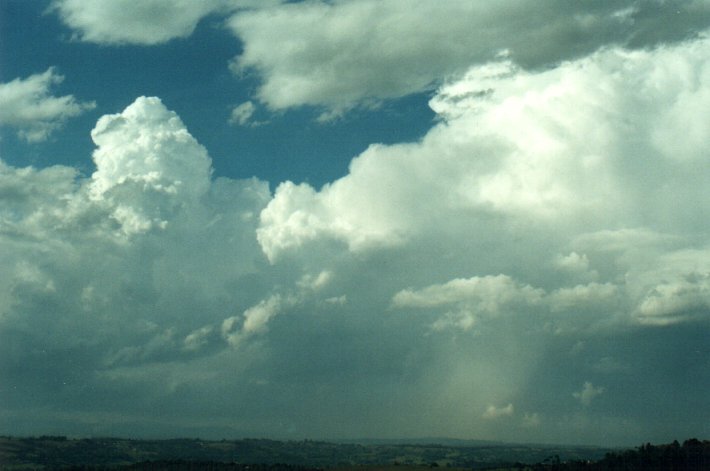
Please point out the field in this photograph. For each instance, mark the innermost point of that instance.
(60, 452)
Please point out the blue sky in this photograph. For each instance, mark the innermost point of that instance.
(346, 219)
(191, 76)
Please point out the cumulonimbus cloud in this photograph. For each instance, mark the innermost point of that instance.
(541, 234)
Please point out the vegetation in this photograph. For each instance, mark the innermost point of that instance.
(61, 453)
(693, 455)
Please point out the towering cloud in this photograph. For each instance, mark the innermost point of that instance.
(582, 147)
(544, 215)
(132, 266)
(148, 163)
(534, 268)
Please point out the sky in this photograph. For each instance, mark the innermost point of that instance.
(355, 219)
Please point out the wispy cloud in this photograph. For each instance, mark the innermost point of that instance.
(28, 106)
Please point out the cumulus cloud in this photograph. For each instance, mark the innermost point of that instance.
(470, 299)
(473, 297)
(579, 296)
(242, 114)
(198, 339)
(125, 22)
(339, 54)
(148, 164)
(675, 289)
(28, 105)
(492, 412)
(539, 235)
(85, 259)
(538, 213)
(669, 302)
(253, 321)
(490, 292)
(588, 393)
(576, 265)
(522, 152)
(531, 420)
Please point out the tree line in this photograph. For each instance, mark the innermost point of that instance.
(692, 455)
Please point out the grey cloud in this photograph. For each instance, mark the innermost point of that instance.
(336, 55)
(89, 295)
(588, 392)
(341, 54)
(419, 226)
(544, 206)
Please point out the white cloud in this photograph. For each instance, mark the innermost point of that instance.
(339, 54)
(254, 320)
(522, 154)
(27, 105)
(148, 164)
(492, 412)
(465, 301)
(127, 22)
(531, 420)
(675, 288)
(242, 114)
(256, 317)
(580, 296)
(573, 262)
(299, 214)
(124, 246)
(148, 145)
(489, 292)
(37, 202)
(471, 299)
(588, 393)
(198, 339)
(538, 209)
(315, 282)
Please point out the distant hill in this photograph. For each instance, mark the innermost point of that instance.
(53, 452)
(57, 453)
(61, 453)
